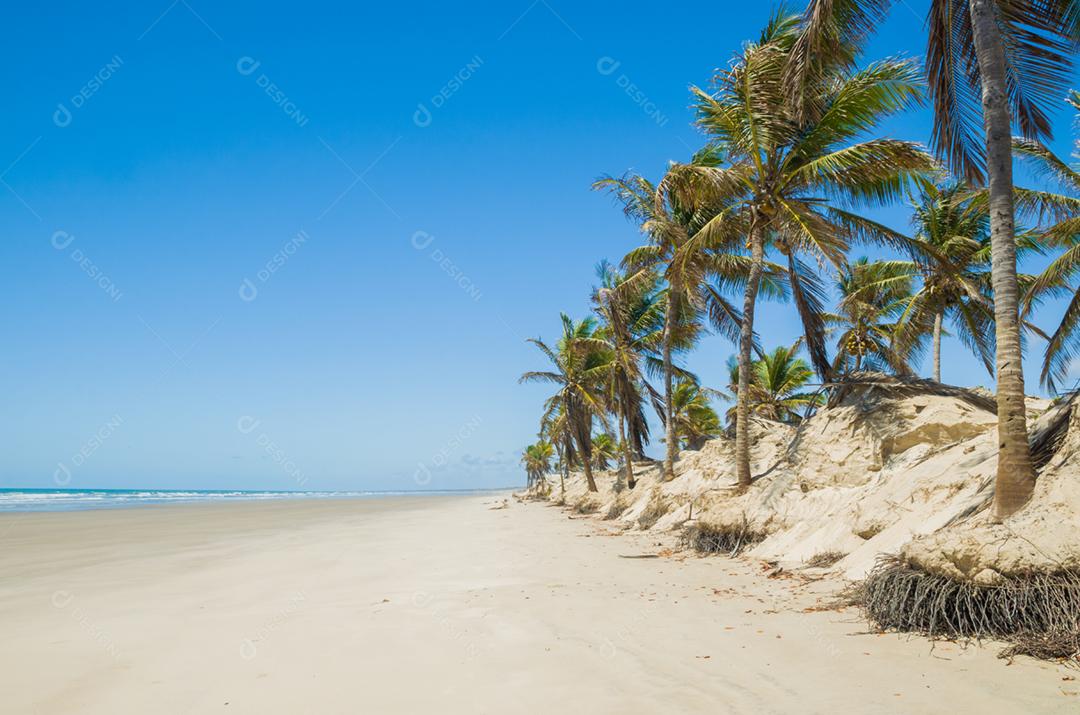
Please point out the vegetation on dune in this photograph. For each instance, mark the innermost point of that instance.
(775, 204)
(998, 63)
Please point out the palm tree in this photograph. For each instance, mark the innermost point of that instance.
(777, 386)
(581, 362)
(604, 450)
(631, 312)
(788, 174)
(694, 419)
(1016, 55)
(537, 461)
(554, 428)
(697, 276)
(873, 297)
(955, 272)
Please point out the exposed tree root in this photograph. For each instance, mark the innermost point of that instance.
(728, 539)
(653, 512)
(616, 509)
(1038, 612)
(825, 559)
(586, 505)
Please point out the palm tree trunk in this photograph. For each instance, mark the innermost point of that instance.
(628, 458)
(1015, 475)
(746, 346)
(586, 458)
(669, 414)
(564, 471)
(937, 346)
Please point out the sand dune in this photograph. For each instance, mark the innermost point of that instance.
(443, 605)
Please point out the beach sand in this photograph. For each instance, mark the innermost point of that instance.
(443, 604)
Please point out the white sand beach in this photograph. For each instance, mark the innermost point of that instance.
(405, 605)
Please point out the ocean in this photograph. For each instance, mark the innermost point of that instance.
(22, 500)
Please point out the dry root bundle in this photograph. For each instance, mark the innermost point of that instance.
(1039, 612)
(652, 513)
(616, 509)
(728, 539)
(587, 505)
(825, 559)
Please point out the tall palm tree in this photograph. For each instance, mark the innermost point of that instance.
(581, 363)
(789, 174)
(1008, 58)
(697, 276)
(694, 419)
(537, 461)
(778, 386)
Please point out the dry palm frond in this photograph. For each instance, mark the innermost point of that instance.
(1048, 432)
(869, 383)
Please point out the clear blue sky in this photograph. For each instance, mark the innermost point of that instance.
(161, 156)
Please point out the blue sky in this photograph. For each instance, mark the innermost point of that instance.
(300, 246)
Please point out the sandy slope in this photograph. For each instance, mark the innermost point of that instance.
(442, 605)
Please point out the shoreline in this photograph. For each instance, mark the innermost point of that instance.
(19, 500)
(455, 603)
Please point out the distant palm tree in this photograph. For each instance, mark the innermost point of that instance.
(555, 429)
(778, 388)
(955, 272)
(537, 461)
(581, 363)
(694, 419)
(1017, 56)
(951, 253)
(791, 177)
(605, 450)
(873, 297)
